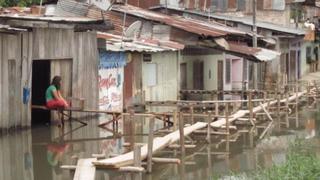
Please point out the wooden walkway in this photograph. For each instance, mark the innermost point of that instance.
(162, 142)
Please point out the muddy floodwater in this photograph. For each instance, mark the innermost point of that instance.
(37, 154)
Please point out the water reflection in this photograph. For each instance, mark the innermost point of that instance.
(38, 154)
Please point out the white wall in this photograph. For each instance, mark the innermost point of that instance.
(166, 87)
(210, 64)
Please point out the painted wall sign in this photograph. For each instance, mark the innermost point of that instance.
(110, 89)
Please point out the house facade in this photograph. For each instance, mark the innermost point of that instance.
(42, 48)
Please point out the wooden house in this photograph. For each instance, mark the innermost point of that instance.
(36, 48)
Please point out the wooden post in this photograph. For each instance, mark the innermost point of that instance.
(137, 155)
(278, 103)
(250, 108)
(227, 119)
(164, 121)
(132, 128)
(181, 130)
(137, 160)
(209, 127)
(216, 105)
(150, 144)
(192, 115)
(308, 94)
(175, 120)
(287, 106)
(297, 105)
(227, 128)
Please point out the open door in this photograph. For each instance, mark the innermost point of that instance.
(40, 82)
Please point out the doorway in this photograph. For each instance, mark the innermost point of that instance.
(198, 75)
(40, 82)
(183, 76)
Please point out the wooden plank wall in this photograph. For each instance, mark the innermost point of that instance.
(52, 43)
(85, 68)
(10, 74)
(57, 45)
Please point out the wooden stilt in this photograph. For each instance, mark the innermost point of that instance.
(209, 119)
(137, 161)
(150, 145)
(216, 105)
(297, 105)
(287, 107)
(132, 128)
(227, 120)
(192, 116)
(250, 108)
(175, 120)
(181, 130)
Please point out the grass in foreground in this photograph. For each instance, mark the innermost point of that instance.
(300, 164)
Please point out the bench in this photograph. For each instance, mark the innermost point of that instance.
(61, 111)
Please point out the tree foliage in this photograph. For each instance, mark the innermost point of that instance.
(22, 3)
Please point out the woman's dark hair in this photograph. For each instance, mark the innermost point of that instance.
(56, 81)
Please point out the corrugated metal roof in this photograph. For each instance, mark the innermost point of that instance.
(117, 43)
(246, 21)
(253, 54)
(71, 8)
(51, 19)
(10, 29)
(190, 25)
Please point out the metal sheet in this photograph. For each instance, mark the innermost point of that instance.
(190, 25)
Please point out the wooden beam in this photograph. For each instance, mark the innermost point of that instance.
(85, 169)
(166, 160)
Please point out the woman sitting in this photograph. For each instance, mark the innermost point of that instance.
(54, 98)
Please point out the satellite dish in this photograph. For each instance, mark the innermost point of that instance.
(133, 29)
(101, 4)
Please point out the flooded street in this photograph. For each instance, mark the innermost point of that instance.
(37, 154)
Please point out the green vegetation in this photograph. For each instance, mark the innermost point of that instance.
(9, 3)
(301, 163)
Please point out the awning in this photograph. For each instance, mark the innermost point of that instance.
(250, 53)
(117, 43)
(110, 60)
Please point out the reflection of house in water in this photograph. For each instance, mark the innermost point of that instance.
(16, 157)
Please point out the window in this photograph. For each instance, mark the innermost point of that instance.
(228, 71)
(150, 74)
(147, 57)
